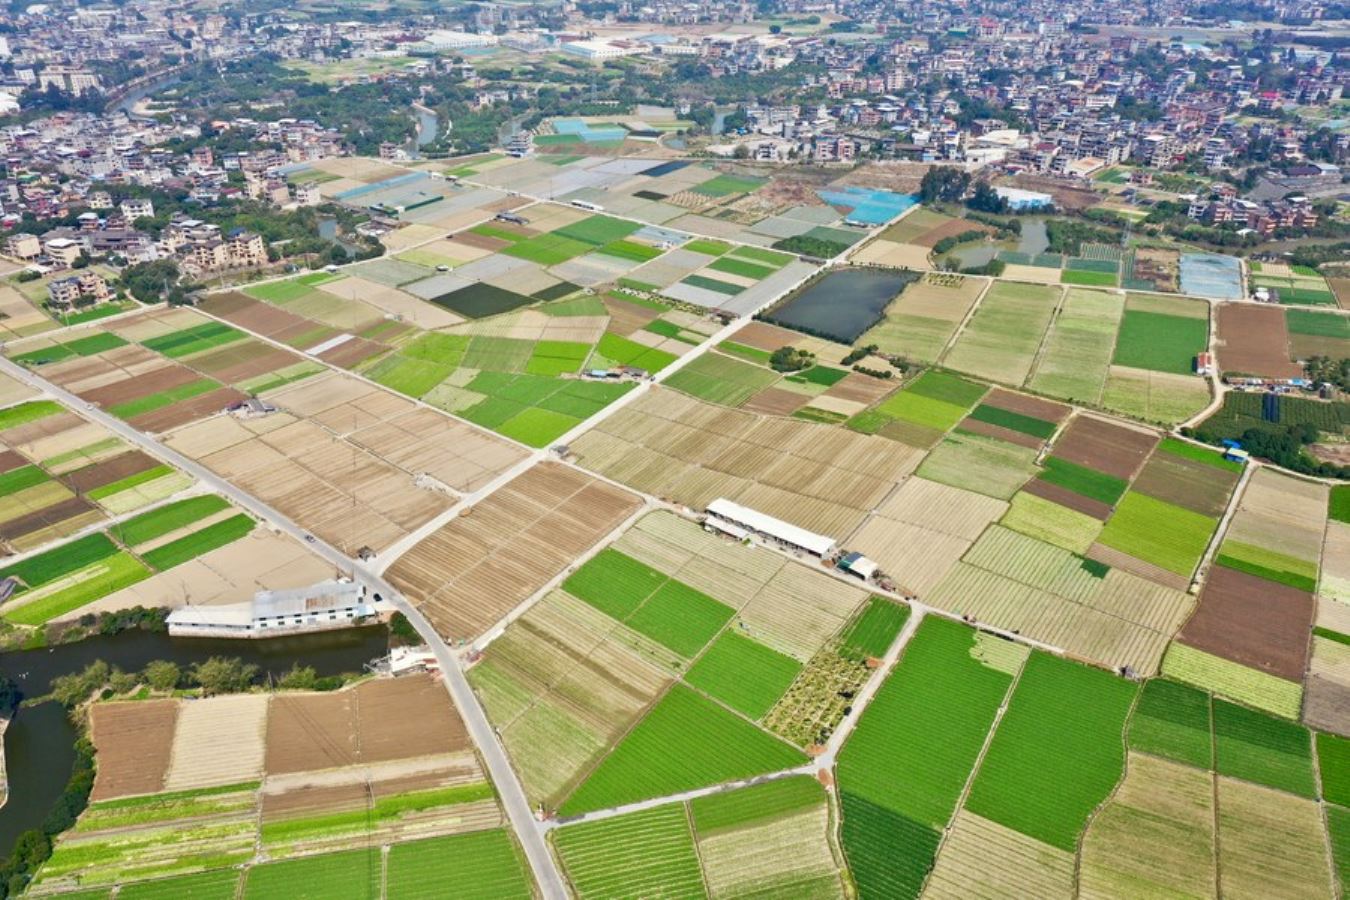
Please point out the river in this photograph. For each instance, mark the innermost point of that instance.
(39, 744)
(127, 104)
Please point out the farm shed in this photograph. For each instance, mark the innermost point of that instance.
(789, 534)
(329, 604)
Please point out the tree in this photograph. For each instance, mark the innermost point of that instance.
(790, 359)
(299, 678)
(162, 675)
(9, 695)
(943, 184)
(73, 689)
(741, 152)
(120, 682)
(223, 675)
(986, 199)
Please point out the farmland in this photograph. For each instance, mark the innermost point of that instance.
(188, 791)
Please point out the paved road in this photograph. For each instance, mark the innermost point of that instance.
(499, 767)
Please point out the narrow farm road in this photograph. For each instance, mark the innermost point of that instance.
(499, 767)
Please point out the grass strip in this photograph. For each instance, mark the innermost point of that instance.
(174, 553)
(131, 481)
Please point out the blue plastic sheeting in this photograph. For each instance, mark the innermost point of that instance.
(1211, 275)
(665, 168)
(870, 206)
(588, 134)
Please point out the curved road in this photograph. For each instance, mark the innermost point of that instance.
(517, 807)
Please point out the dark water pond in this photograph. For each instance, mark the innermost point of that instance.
(40, 741)
(843, 304)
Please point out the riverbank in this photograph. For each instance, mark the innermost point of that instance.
(4, 778)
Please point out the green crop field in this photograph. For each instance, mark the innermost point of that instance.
(1081, 480)
(1048, 521)
(1338, 828)
(1077, 352)
(631, 251)
(598, 230)
(1264, 562)
(1001, 340)
(1207, 455)
(31, 411)
(685, 742)
(630, 353)
(712, 284)
(1172, 720)
(771, 800)
(977, 463)
(349, 875)
(217, 885)
(644, 854)
(1160, 342)
(1256, 747)
(706, 246)
(167, 518)
(22, 478)
(1057, 752)
(873, 632)
(902, 771)
(192, 340)
(1159, 532)
(681, 618)
(1222, 676)
(151, 402)
(103, 578)
(548, 249)
(482, 865)
(1317, 324)
(175, 553)
(411, 377)
(53, 564)
(1089, 279)
(131, 481)
(723, 185)
(1003, 418)
(557, 357)
(935, 400)
(1333, 764)
(734, 266)
(819, 375)
(744, 674)
(614, 583)
(537, 427)
(771, 258)
(721, 379)
(948, 388)
(279, 291)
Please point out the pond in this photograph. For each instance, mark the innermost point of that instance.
(843, 304)
(1033, 240)
(39, 744)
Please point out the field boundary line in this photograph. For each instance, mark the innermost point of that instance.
(1051, 326)
(599, 815)
(975, 770)
(961, 326)
(1097, 810)
(1321, 802)
(1225, 522)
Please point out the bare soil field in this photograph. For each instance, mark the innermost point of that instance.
(218, 741)
(775, 402)
(1326, 696)
(1187, 483)
(187, 411)
(1161, 267)
(903, 177)
(1066, 193)
(1341, 287)
(1045, 410)
(133, 741)
(1135, 566)
(861, 388)
(1254, 340)
(1252, 621)
(310, 731)
(1105, 446)
(975, 426)
(110, 470)
(949, 229)
(626, 318)
(763, 336)
(476, 569)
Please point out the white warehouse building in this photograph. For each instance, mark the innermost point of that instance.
(328, 604)
(722, 513)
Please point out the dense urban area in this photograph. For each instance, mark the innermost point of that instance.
(588, 448)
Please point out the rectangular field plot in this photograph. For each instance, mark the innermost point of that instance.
(1057, 752)
(486, 865)
(685, 742)
(985, 859)
(536, 525)
(1271, 844)
(1162, 334)
(1154, 836)
(1160, 533)
(720, 379)
(1172, 720)
(1077, 351)
(744, 674)
(354, 874)
(640, 854)
(1001, 339)
(917, 726)
(815, 476)
(1159, 397)
(1262, 749)
(919, 323)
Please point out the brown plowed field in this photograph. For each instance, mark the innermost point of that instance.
(1252, 621)
(1123, 561)
(310, 731)
(861, 388)
(1326, 705)
(911, 434)
(1254, 340)
(405, 717)
(763, 336)
(480, 241)
(626, 318)
(1045, 410)
(1187, 483)
(111, 470)
(162, 379)
(243, 360)
(474, 570)
(1341, 287)
(975, 426)
(1065, 497)
(44, 427)
(380, 720)
(45, 517)
(10, 460)
(177, 414)
(133, 741)
(1104, 446)
(310, 799)
(349, 353)
(776, 402)
(254, 315)
(949, 229)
